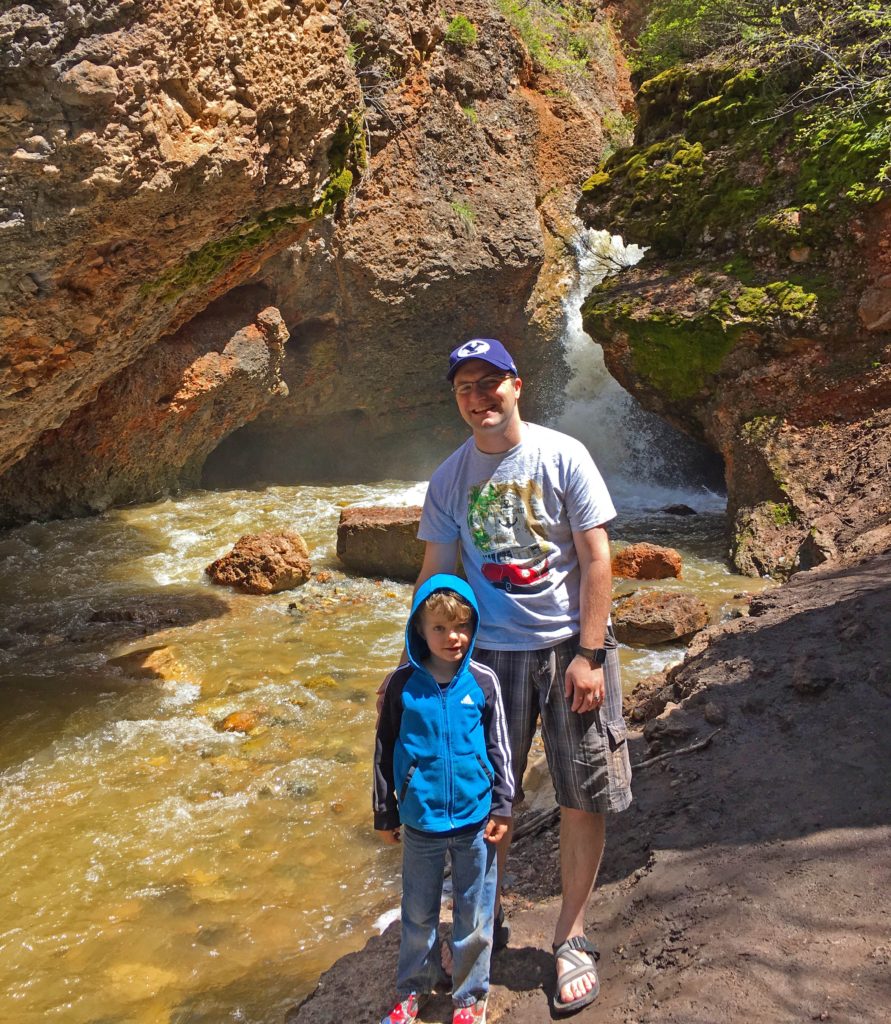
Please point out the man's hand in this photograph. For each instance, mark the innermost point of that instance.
(584, 684)
(389, 836)
(496, 828)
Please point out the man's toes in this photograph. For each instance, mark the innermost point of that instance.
(577, 989)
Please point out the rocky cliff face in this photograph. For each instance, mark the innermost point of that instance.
(151, 426)
(457, 230)
(156, 156)
(760, 320)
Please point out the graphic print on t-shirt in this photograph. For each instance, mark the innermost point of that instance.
(507, 524)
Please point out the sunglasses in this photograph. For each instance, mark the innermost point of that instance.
(485, 385)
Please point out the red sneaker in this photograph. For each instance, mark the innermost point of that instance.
(475, 1014)
(405, 1012)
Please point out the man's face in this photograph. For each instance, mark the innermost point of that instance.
(490, 405)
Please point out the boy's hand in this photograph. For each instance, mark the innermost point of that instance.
(496, 828)
(389, 836)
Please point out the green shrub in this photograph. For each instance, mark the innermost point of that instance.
(461, 32)
(464, 211)
(552, 33)
(830, 59)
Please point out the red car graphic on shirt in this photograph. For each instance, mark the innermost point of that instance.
(510, 576)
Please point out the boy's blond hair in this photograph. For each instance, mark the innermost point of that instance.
(449, 604)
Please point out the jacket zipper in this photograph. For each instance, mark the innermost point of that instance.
(407, 782)
(450, 806)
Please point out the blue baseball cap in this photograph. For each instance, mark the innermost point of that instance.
(487, 349)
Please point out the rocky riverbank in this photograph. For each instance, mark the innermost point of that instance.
(749, 878)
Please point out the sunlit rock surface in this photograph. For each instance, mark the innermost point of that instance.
(151, 426)
(377, 541)
(657, 616)
(647, 562)
(154, 155)
(265, 563)
(158, 156)
(758, 321)
(457, 230)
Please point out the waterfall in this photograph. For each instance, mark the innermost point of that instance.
(647, 464)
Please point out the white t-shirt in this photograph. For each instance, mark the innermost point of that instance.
(514, 514)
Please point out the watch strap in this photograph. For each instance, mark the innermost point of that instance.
(596, 655)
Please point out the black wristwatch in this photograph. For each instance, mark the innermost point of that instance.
(597, 656)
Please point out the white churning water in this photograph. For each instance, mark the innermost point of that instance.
(646, 463)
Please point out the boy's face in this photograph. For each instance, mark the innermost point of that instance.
(447, 638)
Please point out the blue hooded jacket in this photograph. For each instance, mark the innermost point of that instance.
(442, 757)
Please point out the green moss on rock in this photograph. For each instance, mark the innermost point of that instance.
(597, 179)
(782, 513)
(213, 258)
(765, 305)
(760, 429)
(673, 354)
(714, 165)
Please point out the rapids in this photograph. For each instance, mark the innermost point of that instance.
(155, 868)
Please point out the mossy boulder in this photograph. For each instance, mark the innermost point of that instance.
(742, 324)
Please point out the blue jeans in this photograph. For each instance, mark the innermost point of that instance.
(474, 881)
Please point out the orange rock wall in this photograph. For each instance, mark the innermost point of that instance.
(134, 139)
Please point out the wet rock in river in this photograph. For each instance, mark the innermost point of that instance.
(239, 721)
(658, 616)
(647, 562)
(263, 563)
(155, 663)
(316, 684)
(678, 510)
(378, 541)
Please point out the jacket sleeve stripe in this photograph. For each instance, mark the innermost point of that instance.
(497, 740)
(386, 814)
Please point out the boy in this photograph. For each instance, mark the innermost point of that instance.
(442, 772)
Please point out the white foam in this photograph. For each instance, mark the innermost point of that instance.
(382, 923)
(645, 462)
(180, 694)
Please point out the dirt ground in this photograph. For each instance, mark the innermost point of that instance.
(751, 878)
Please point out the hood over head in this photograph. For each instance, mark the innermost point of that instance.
(414, 642)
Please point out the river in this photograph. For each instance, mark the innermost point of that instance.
(159, 870)
(156, 869)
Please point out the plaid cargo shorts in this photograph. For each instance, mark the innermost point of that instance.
(587, 753)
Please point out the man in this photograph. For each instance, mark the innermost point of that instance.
(525, 507)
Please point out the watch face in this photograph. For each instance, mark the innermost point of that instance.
(597, 656)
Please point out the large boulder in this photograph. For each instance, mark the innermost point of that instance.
(658, 616)
(759, 320)
(647, 562)
(378, 541)
(154, 155)
(150, 427)
(263, 563)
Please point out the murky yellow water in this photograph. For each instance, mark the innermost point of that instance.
(155, 869)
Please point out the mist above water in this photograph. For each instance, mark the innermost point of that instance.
(647, 464)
